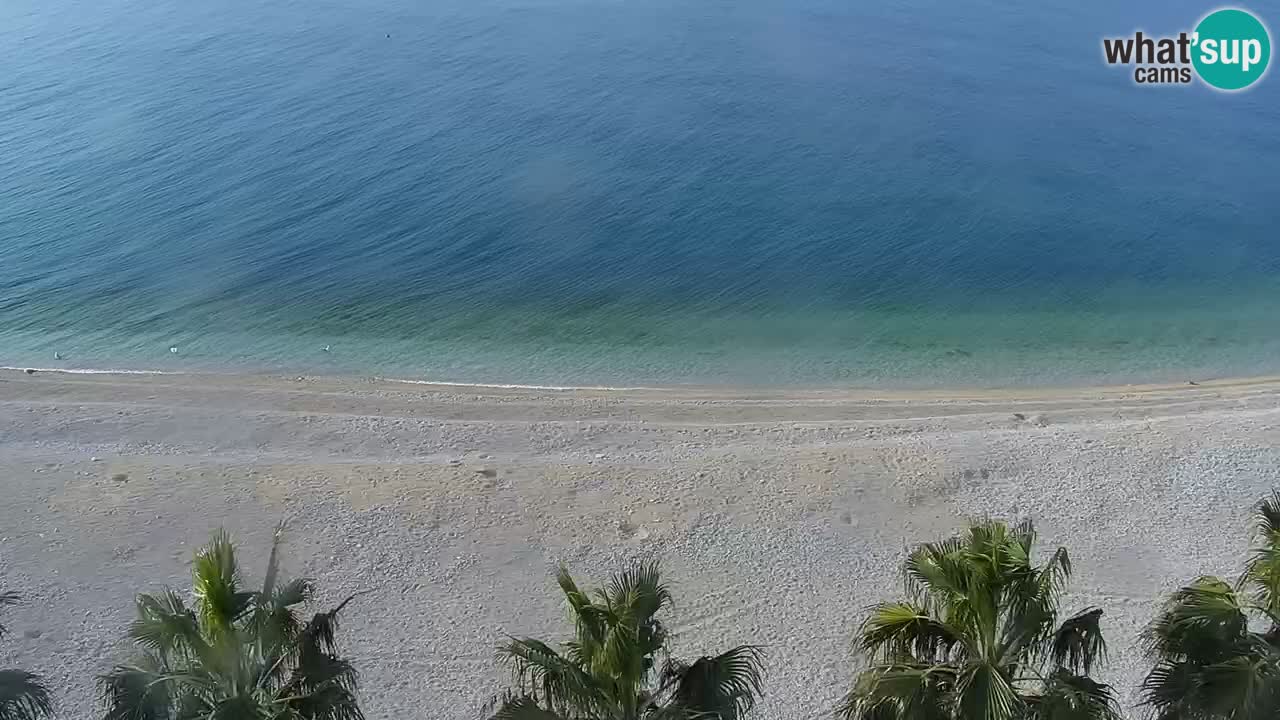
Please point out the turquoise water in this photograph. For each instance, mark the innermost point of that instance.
(629, 192)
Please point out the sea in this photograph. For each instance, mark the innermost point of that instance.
(780, 193)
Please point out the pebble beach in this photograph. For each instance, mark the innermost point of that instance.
(778, 515)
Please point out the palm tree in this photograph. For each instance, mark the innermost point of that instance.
(1217, 645)
(23, 695)
(609, 671)
(978, 638)
(235, 654)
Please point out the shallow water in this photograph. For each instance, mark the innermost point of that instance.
(611, 192)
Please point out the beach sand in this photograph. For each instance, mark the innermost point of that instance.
(778, 516)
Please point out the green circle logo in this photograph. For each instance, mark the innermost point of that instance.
(1231, 50)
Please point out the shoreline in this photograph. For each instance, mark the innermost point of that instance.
(835, 392)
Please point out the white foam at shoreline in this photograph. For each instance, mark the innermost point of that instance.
(515, 386)
(438, 383)
(91, 371)
(550, 388)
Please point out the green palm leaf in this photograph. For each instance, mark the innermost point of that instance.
(1267, 517)
(1262, 571)
(1205, 619)
(986, 692)
(608, 670)
(893, 630)
(903, 691)
(165, 626)
(937, 571)
(723, 687)
(137, 691)
(640, 590)
(216, 582)
(233, 654)
(523, 708)
(1215, 646)
(23, 695)
(1244, 686)
(1078, 644)
(979, 638)
(545, 676)
(1067, 696)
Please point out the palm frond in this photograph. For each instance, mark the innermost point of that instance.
(1261, 576)
(591, 623)
(320, 633)
(323, 687)
(522, 707)
(1067, 696)
(1056, 574)
(1023, 533)
(325, 682)
(895, 629)
(631, 602)
(855, 706)
(863, 702)
(1171, 686)
(275, 621)
(1246, 686)
(937, 570)
(628, 655)
(972, 642)
(1028, 626)
(23, 696)
(236, 655)
(984, 692)
(237, 707)
(1267, 518)
(1262, 571)
(1204, 619)
(724, 687)
(900, 692)
(551, 680)
(216, 583)
(576, 597)
(640, 589)
(1030, 596)
(1209, 662)
(317, 671)
(165, 625)
(135, 692)
(1078, 644)
(609, 670)
(293, 592)
(1011, 548)
(329, 703)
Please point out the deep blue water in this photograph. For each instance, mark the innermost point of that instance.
(630, 192)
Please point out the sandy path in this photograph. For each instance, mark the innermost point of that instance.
(778, 516)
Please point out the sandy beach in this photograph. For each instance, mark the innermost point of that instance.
(778, 515)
